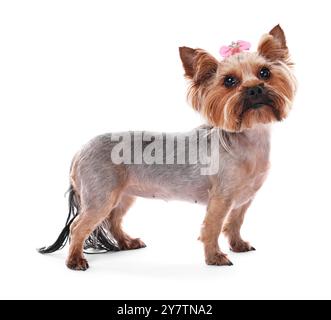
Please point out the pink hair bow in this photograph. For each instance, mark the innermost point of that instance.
(234, 48)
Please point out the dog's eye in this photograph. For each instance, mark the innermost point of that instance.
(230, 81)
(264, 73)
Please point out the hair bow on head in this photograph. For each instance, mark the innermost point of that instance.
(234, 48)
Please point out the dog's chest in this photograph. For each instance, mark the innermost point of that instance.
(247, 175)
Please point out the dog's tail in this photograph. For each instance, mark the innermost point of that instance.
(64, 235)
(100, 240)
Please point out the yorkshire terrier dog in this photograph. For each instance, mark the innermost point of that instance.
(239, 96)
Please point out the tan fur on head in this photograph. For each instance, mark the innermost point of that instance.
(229, 108)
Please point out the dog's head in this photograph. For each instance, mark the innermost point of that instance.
(244, 89)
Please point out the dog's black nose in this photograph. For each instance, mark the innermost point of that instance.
(255, 92)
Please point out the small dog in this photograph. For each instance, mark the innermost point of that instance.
(239, 97)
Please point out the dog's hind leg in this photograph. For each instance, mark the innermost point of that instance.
(90, 217)
(125, 242)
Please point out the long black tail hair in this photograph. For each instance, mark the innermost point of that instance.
(100, 240)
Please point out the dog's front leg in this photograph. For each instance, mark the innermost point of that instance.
(232, 227)
(217, 210)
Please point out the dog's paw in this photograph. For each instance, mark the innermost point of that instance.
(218, 259)
(132, 244)
(79, 264)
(241, 246)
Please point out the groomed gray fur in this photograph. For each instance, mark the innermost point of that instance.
(96, 175)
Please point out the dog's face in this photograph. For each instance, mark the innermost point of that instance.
(245, 89)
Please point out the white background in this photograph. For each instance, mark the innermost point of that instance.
(70, 70)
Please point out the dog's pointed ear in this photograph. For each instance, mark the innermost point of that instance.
(278, 33)
(198, 64)
(273, 45)
(187, 56)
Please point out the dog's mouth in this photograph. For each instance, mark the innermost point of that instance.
(263, 109)
(264, 101)
(262, 105)
(259, 105)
